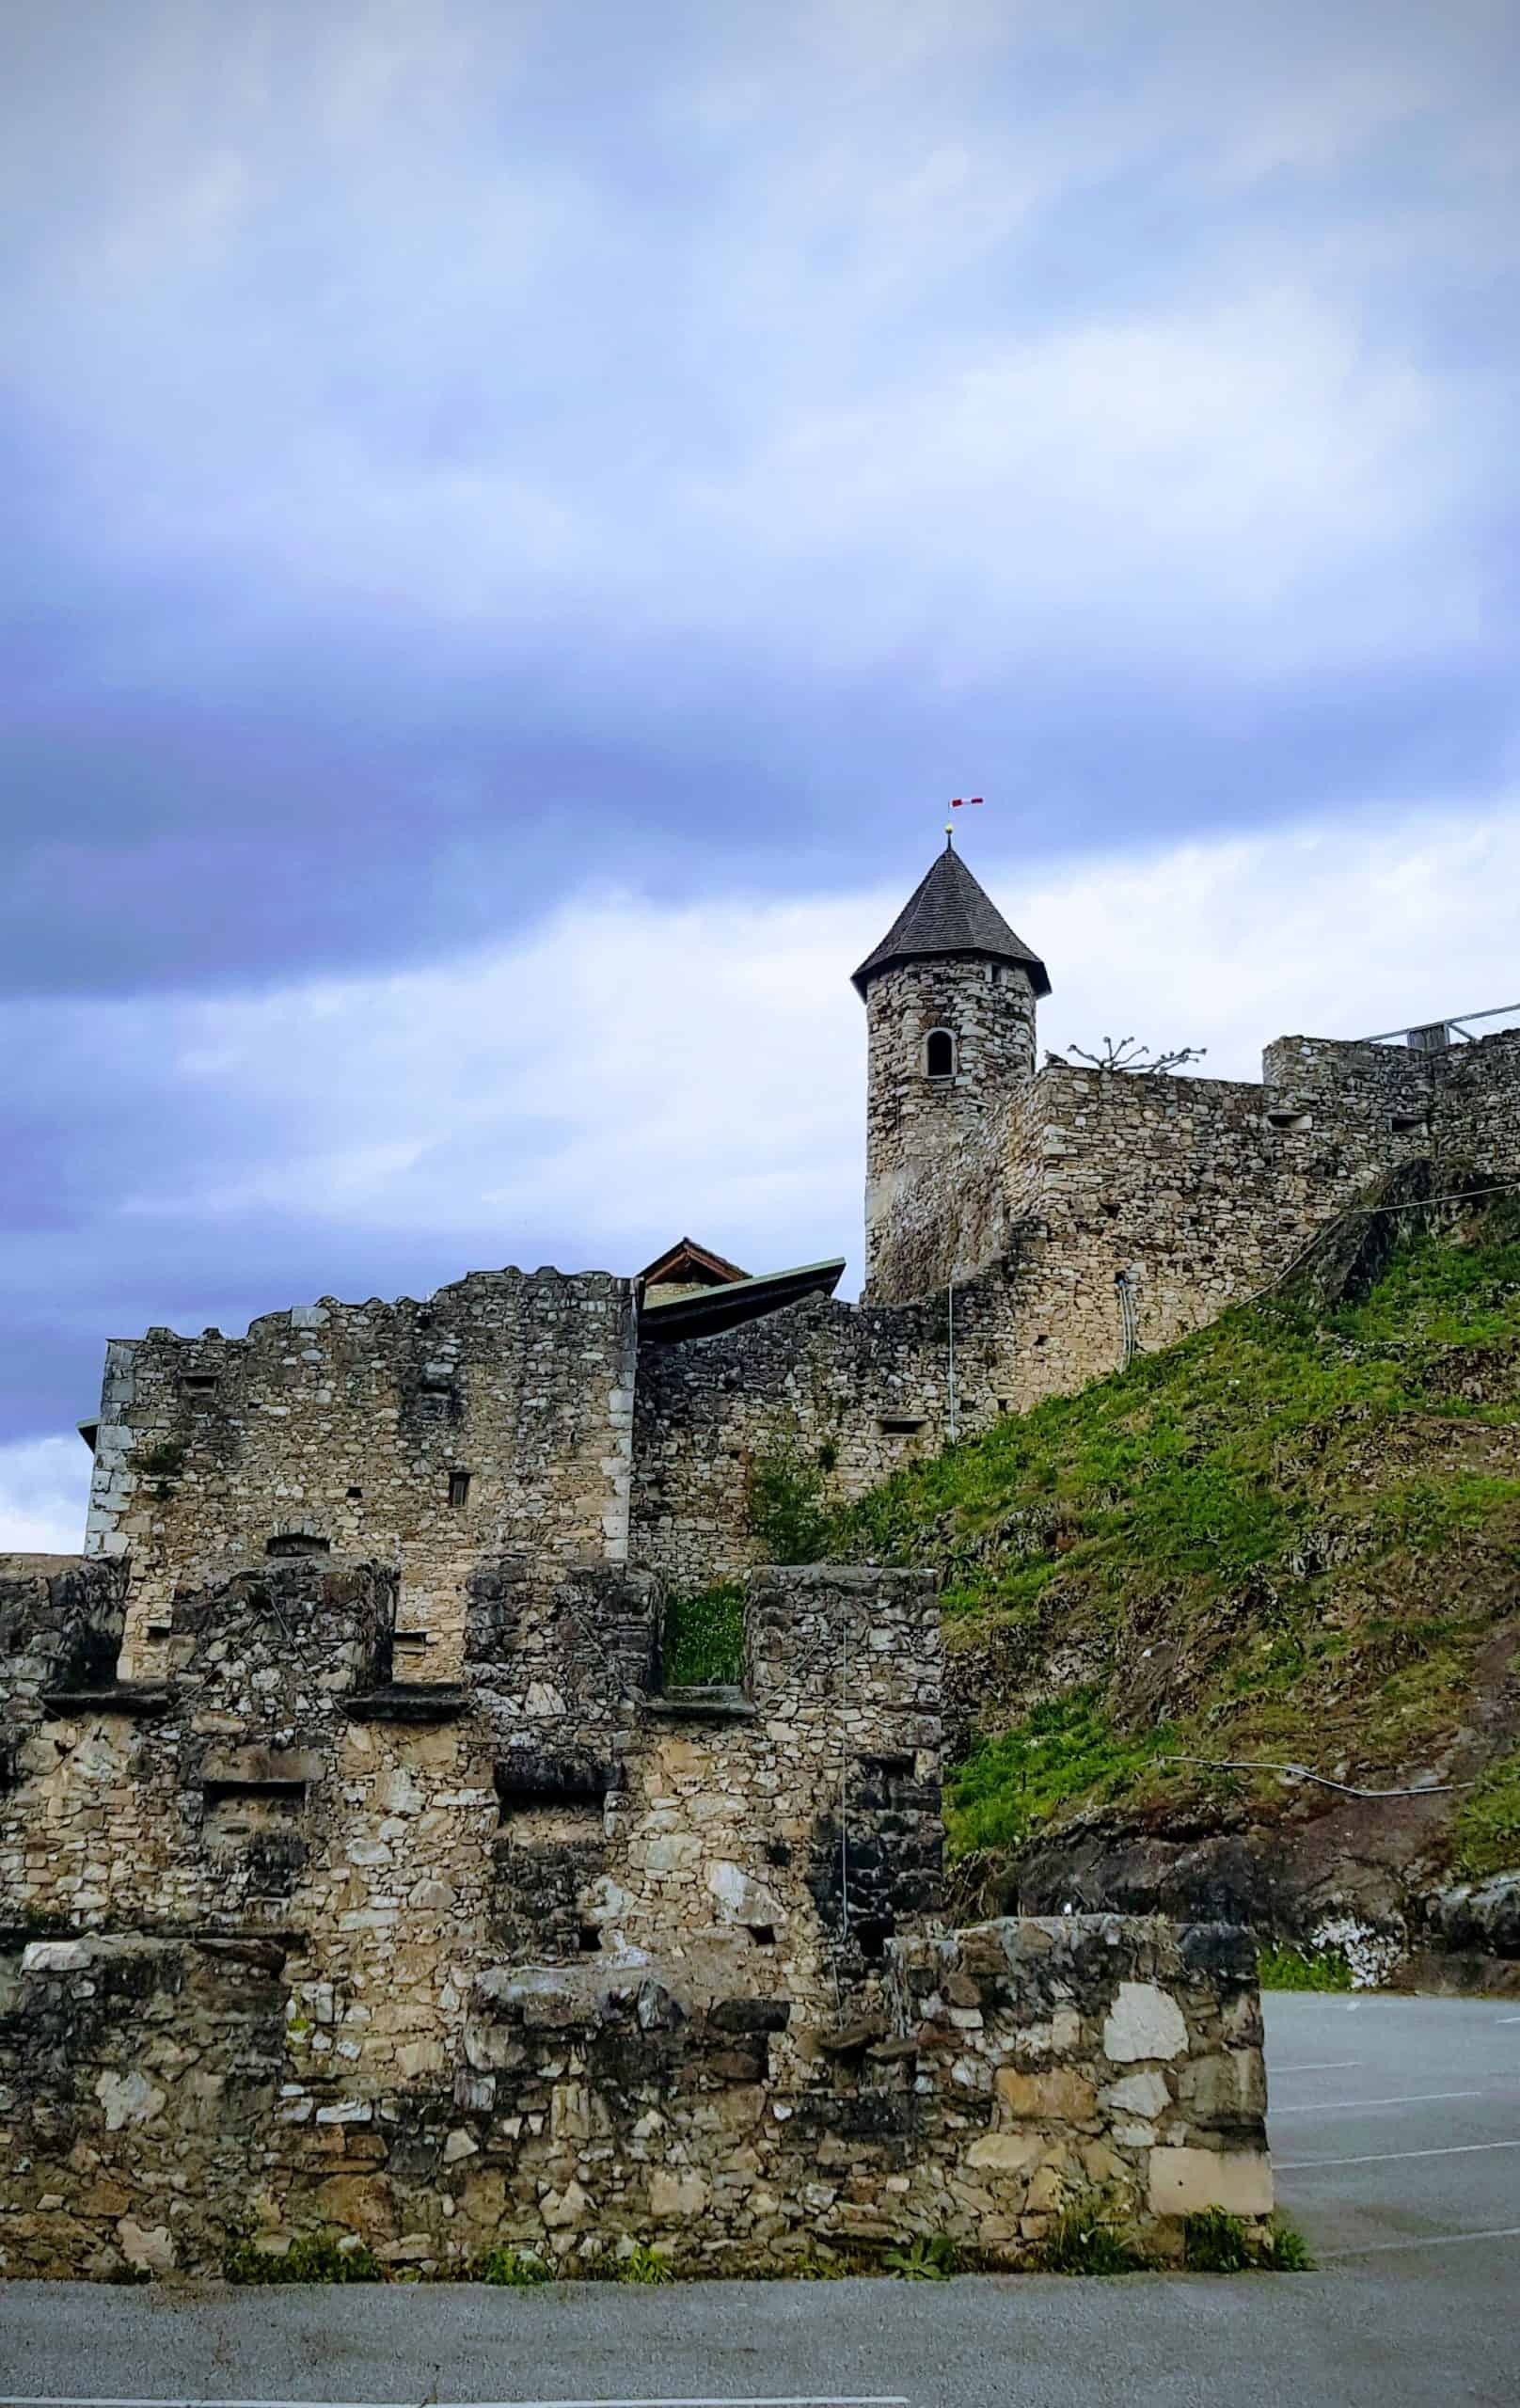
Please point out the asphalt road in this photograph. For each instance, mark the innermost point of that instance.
(1396, 2132)
(1396, 2127)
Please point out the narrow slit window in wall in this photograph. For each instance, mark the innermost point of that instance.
(1290, 1120)
(1409, 1124)
(899, 1425)
(297, 1542)
(243, 1810)
(939, 1054)
(459, 1488)
(199, 1384)
(289, 1794)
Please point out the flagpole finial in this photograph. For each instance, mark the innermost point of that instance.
(957, 803)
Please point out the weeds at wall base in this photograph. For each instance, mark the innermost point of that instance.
(1293, 1969)
(645, 2265)
(931, 2258)
(1087, 2239)
(1216, 2243)
(517, 2270)
(312, 2258)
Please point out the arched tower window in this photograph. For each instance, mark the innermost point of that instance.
(939, 1054)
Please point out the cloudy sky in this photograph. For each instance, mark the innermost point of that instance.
(522, 515)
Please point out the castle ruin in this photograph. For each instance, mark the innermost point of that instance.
(359, 1868)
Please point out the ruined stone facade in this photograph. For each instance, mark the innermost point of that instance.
(496, 1416)
(1024, 1229)
(1007, 1265)
(552, 1958)
(357, 1866)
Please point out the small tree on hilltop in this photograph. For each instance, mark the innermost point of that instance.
(1128, 1054)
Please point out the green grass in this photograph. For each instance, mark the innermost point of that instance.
(1216, 2243)
(1291, 1969)
(312, 2258)
(1487, 1829)
(1287, 1538)
(703, 1638)
(645, 2264)
(1085, 2238)
(516, 2270)
(1287, 2251)
(1067, 1748)
(931, 2258)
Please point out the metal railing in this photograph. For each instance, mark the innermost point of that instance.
(1437, 1035)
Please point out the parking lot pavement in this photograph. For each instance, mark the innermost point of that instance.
(1396, 2127)
(1393, 2120)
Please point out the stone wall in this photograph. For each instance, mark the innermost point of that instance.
(860, 1388)
(551, 1958)
(496, 1416)
(1199, 1191)
(1477, 1098)
(1192, 1191)
(60, 1628)
(1010, 2070)
(1186, 1188)
(1195, 1192)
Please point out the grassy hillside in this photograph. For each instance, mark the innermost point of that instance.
(1295, 1536)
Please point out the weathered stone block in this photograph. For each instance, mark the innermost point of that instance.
(1144, 2022)
(1006, 2152)
(1184, 2181)
(1060, 2096)
(676, 2194)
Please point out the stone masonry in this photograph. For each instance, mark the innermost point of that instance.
(357, 1868)
(554, 1958)
(495, 1415)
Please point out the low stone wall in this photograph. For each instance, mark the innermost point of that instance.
(1003, 2073)
(551, 1958)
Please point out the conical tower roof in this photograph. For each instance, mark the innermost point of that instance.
(948, 913)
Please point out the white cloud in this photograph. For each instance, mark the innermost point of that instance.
(671, 1060)
(44, 1488)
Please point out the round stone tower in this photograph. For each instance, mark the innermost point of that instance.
(950, 995)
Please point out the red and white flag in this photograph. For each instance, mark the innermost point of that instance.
(958, 801)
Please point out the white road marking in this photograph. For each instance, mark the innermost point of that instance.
(1335, 2065)
(1435, 2240)
(1340, 2106)
(811, 2400)
(1389, 2157)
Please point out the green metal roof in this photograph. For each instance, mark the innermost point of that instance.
(738, 1300)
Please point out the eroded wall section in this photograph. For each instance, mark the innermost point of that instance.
(551, 1960)
(496, 1416)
